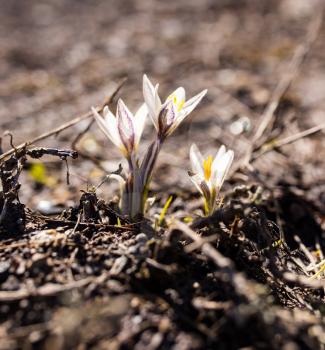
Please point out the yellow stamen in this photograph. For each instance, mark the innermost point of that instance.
(179, 104)
(207, 164)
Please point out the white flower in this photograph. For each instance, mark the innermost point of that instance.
(168, 115)
(209, 174)
(124, 130)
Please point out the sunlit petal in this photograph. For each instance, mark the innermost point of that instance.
(218, 158)
(210, 173)
(158, 104)
(197, 160)
(192, 103)
(139, 122)
(151, 99)
(187, 109)
(178, 98)
(107, 113)
(108, 127)
(226, 164)
(166, 123)
(166, 118)
(197, 180)
(125, 125)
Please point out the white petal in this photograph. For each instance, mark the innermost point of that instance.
(188, 108)
(108, 126)
(158, 103)
(107, 113)
(148, 88)
(196, 160)
(111, 122)
(126, 117)
(167, 116)
(139, 122)
(125, 125)
(217, 159)
(222, 170)
(193, 102)
(152, 100)
(178, 98)
(197, 180)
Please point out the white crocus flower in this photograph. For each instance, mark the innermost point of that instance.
(124, 129)
(168, 115)
(208, 174)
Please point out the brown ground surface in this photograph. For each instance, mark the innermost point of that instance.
(100, 287)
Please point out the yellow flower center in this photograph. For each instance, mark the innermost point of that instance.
(178, 103)
(207, 164)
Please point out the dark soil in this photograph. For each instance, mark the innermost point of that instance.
(74, 274)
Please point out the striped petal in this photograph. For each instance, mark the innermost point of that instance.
(188, 108)
(197, 160)
(198, 180)
(108, 126)
(178, 98)
(166, 119)
(125, 125)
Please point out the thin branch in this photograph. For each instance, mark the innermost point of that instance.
(288, 140)
(108, 102)
(50, 133)
(58, 129)
(128, 227)
(39, 152)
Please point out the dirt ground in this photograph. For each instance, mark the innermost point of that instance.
(249, 277)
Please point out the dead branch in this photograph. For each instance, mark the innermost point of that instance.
(12, 216)
(39, 152)
(58, 129)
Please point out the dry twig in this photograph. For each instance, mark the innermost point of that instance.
(287, 140)
(74, 144)
(60, 128)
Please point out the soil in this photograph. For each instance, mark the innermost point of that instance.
(74, 273)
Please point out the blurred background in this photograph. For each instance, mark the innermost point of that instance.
(60, 57)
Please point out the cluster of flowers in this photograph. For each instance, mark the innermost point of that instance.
(125, 129)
